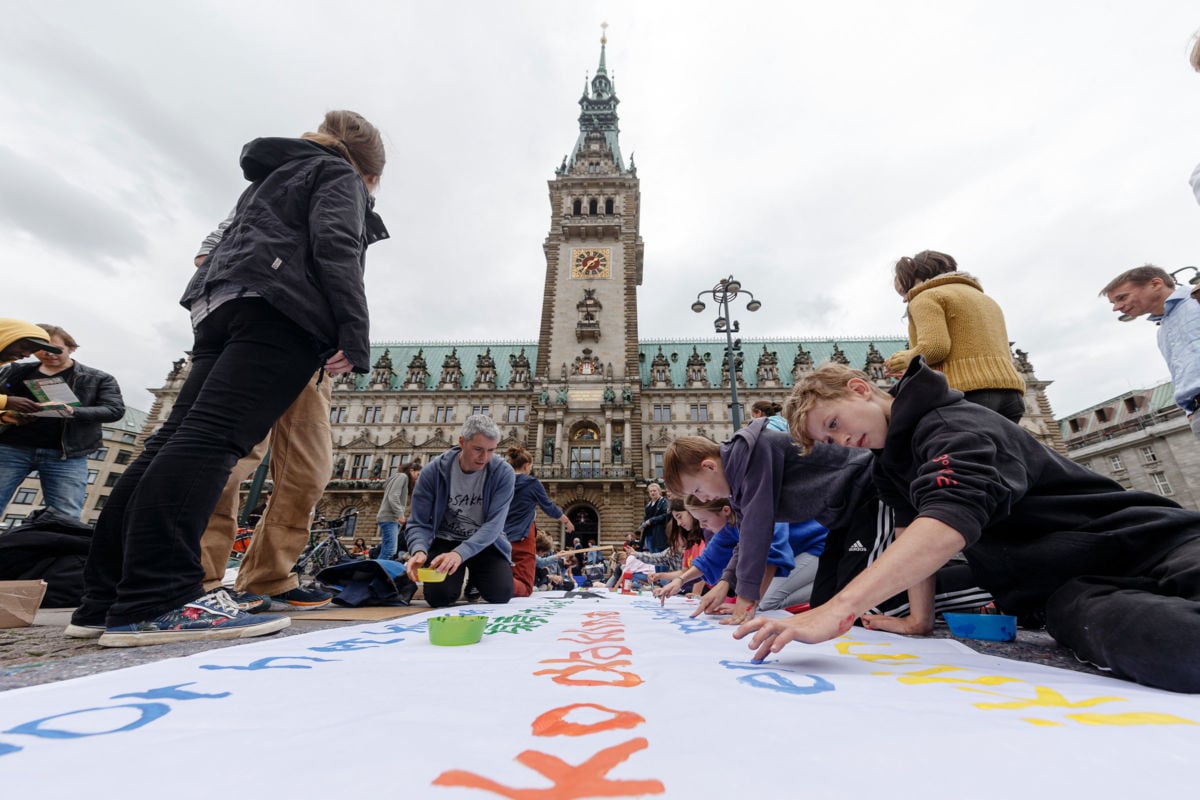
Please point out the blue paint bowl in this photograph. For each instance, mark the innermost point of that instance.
(581, 580)
(991, 627)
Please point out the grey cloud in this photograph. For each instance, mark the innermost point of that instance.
(62, 214)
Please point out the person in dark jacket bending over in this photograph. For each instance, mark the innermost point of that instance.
(457, 517)
(1115, 573)
(280, 296)
(56, 447)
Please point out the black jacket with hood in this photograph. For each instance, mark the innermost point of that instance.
(298, 239)
(1031, 518)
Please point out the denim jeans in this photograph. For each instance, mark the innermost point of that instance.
(249, 362)
(389, 533)
(64, 480)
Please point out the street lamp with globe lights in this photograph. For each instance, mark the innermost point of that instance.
(728, 289)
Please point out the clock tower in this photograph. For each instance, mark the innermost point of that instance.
(587, 414)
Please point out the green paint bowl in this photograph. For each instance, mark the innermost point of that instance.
(455, 631)
(991, 627)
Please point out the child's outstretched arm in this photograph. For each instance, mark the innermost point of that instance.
(673, 587)
(919, 621)
(926, 546)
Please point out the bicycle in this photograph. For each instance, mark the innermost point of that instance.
(326, 550)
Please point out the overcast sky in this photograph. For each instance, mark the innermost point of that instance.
(800, 146)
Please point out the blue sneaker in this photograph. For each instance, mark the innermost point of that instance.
(300, 599)
(209, 617)
(249, 601)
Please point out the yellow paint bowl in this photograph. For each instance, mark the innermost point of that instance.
(426, 575)
(455, 631)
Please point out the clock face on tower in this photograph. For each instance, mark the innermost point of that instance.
(591, 263)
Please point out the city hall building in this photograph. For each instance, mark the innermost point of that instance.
(596, 404)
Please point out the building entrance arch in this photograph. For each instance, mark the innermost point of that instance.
(587, 525)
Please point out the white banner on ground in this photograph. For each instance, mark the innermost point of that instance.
(608, 696)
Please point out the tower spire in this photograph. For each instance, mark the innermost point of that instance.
(598, 114)
(600, 70)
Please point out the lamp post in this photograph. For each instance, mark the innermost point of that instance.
(728, 289)
(1195, 279)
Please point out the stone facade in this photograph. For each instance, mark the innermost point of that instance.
(1140, 439)
(596, 405)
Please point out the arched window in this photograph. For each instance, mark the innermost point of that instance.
(585, 451)
(608, 205)
(592, 206)
(577, 207)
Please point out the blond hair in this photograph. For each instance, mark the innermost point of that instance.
(357, 140)
(683, 456)
(827, 382)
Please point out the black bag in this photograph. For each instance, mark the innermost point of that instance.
(52, 546)
(369, 582)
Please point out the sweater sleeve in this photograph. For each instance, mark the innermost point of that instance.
(755, 501)
(544, 502)
(932, 339)
(959, 481)
(422, 527)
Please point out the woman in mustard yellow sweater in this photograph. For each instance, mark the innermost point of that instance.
(960, 331)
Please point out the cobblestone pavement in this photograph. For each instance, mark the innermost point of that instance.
(42, 654)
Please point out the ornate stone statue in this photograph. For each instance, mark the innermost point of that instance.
(544, 397)
(377, 468)
(609, 395)
(1022, 362)
(768, 365)
(875, 366)
(520, 367)
(618, 450)
(660, 368)
(548, 449)
(697, 372)
(417, 371)
(339, 469)
(626, 395)
(562, 397)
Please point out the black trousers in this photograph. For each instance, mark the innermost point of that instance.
(1144, 627)
(491, 573)
(848, 551)
(1007, 403)
(249, 362)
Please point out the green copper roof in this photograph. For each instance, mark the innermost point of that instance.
(677, 352)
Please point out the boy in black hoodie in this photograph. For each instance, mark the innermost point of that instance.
(1115, 573)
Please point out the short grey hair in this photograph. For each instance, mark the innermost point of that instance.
(480, 424)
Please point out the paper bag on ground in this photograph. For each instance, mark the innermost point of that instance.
(19, 601)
